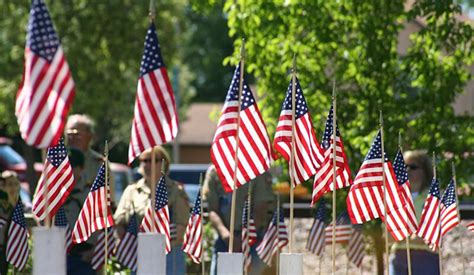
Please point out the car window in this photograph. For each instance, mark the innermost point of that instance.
(10, 156)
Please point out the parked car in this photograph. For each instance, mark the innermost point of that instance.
(122, 177)
(189, 175)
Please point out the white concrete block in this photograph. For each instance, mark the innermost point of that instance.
(49, 253)
(151, 254)
(230, 263)
(291, 264)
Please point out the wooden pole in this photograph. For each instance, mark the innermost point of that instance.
(153, 189)
(278, 235)
(334, 178)
(106, 256)
(320, 263)
(291, 169)
(459, 216)
(203, 264)
(237, 141)
(384, 194)
(407, 239)
(249, 209)
(47, 221)
(440, 252)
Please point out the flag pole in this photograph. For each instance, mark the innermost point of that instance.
(237, 141)
(47, 221)
(407, 239)
(440, 253)
(334, 178)
(291, 169)
(459, 216)
(384, 193)
(278, 235)
(203, 265)
(106, 154)
(249, 208)
(320, 263)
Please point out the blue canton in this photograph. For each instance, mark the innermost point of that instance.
(60, 218)
(233, 93)
(375, 151)
(132, 227)
(161, 195)
(245, 213)
(197, 205)
(100, 179)
(152, 58)
(343, 218)
(321, 211)
(434, 188)
(400, 168)
(301, 107)
(327, 135)
(57, 154)
(41, 37)
(282, 218)
(449, 196)
(18, 214)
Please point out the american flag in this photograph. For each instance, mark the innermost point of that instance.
(47, 88)
(316, 237)
(449, 211)
(343, 229)
(365, 200)
(158, 219)
(95, 214)
(17, 250)
(323, 180)
(248, 229)
(308, 155)
(126, 253)
(255, 153)
(274, 239)
(98, 258)
(470, 226)
(58, 177)
(401, 173)
(355, 248)
(192, 244)
(429, 227)
(60, 220)
(155, 119)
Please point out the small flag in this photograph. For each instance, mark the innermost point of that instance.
(449, 211)
(323, 180)
(95, 214)
(155, 119)
(158, 220)
(47, 89)
(343, 229)
(126, 253)
(58, 177)
(17, 250)
(355, 248)
(308, 155)
(255, 153)
(98, 258)
(60, 220)
(192, 244)
(249, 235)
(470, 226)
(275, 239)
(429, 227)
(316, 237)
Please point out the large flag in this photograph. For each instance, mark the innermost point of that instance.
(155, 119)
(58, 178)
(96, 213)
(308, 155)
(17, 250)
(126, 253)
(365, 200)
(158, 219)
(47, 89)
(192, 244)
(275, 239)
(401, 173)
(355, 248)
(323, 180)
(449, 211)
(343, 229)
(429, 226)
(98, 258)
(255, 153)
(60, 220)
(249, 234)
(316, 237)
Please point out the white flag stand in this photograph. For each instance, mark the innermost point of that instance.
(49, 255)
(151, 254)
(291, 264)
(230, 263)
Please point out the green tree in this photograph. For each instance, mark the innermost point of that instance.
(354, 43)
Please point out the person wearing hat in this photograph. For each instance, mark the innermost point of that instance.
(136, 198)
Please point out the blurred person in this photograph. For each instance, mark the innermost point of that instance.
(423, 260)
(136, 198)
(219, 206)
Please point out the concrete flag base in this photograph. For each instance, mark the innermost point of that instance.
(49, 253)
(230, 263)
(151, 254)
